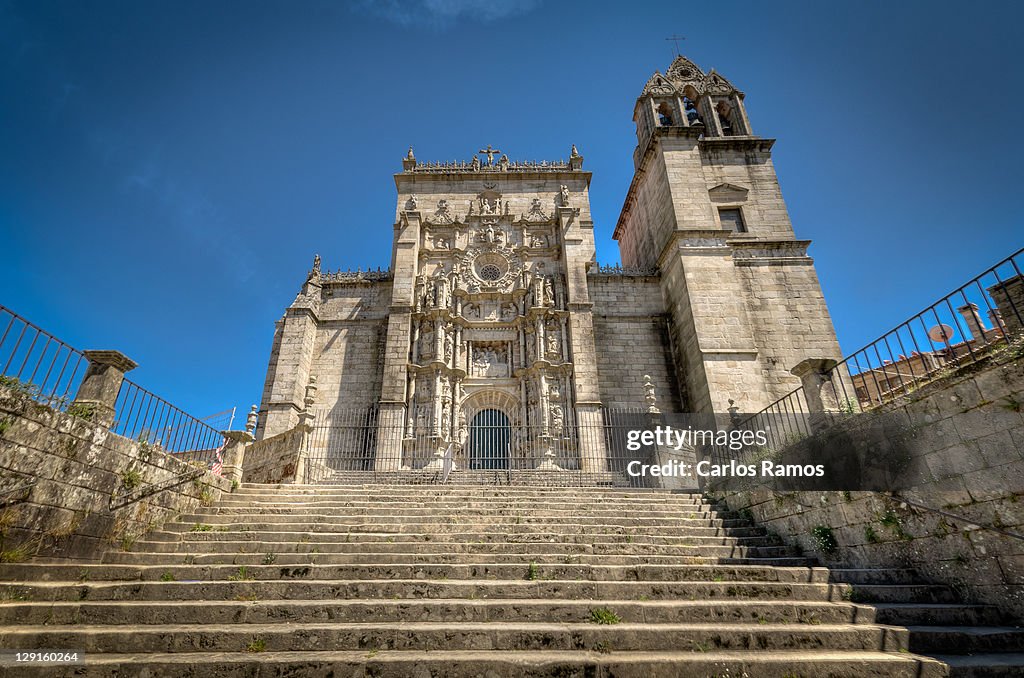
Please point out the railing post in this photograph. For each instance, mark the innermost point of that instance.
(102, 383)
(234, 453)
(820, 394)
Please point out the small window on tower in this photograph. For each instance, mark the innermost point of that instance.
(732, 218)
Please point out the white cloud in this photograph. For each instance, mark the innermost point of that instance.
(444, 13)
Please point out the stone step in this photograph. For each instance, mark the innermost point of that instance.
(715, 544)
(42, 572)
(984, 665)
(900, 593)
(441, 556)
(604, 662)
(454, 489)
(966, 639)
(283, 543)
(402, 589)
(494, 636)
(937, 614)
(570, 525)
(878, 575)
(459, 611)
(385, 544)
(524, 508)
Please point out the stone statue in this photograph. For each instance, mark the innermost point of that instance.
(554, 343)
(413, 202)
(557, 420)
(565, 195)
(475, 165)
(549, 292)
(316, 263)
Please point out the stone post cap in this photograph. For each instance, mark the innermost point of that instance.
(813, 366)
(238, 436)
(115, 359)
(969, 306)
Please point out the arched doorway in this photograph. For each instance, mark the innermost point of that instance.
(489, 434)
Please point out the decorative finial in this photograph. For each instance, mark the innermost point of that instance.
(250, 421)
(316, 263)
(574, 153)
(410, 156)
(649, 396)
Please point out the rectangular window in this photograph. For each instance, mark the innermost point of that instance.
(732, 218)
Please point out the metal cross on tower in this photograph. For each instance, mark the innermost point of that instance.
(675, 39)
(490, 153)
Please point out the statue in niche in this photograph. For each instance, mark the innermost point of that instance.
(507, 205)
(446, 418)
(554, 340)
(442, 243)
(471, 311)
(557, 420)
(443, 296)
(492, 236)
(422, 417)
(538, 240)
(549, 292)
(427, 341)
(508, 311)
(564, 192)
(449, 346)
(413, 202)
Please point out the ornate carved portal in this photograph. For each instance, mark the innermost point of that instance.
(490, 362)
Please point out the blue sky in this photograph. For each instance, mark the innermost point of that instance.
(168, 169)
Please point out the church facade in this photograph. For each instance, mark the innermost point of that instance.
(495, 317)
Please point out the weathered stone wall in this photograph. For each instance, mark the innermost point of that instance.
(631, 337)
(274, 459)
(59, 475)
(973, 448)
(788, 315)
(348, 350)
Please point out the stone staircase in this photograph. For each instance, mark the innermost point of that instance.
(485, 581)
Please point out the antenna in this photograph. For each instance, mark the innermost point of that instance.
(941, 334)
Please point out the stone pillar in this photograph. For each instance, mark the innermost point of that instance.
(820, 391)
(306, 424)
(102, 383)
(234, 453)
(971, 318)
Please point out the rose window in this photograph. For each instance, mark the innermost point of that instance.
(489, 272)
(490, 267)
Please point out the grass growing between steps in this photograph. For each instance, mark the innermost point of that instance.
(602, 615)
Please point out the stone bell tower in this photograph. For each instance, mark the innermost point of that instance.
(705, 209)
(489, 325)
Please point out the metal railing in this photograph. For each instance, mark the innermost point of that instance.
(358, 445)
(37, 364)
(143, 416)
(962, 327)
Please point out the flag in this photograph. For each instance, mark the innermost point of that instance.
(218, 466)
